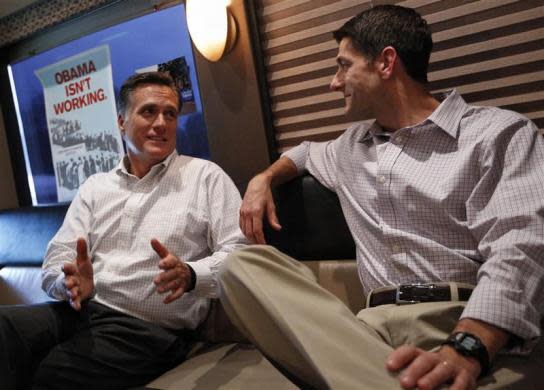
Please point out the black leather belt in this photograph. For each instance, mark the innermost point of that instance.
(418, 293)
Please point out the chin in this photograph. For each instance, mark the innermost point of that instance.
(354, 114)
(160, 154)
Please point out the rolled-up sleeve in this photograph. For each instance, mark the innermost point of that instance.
(319, 159)
(505, 213)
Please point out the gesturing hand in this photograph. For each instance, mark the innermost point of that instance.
(78, 276)
(257, 201)
(429, 370)
(176, 276)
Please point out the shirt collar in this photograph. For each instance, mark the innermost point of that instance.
(447, 116)
(122, 167)
(449, 113)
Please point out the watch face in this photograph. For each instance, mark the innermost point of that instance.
(468, 343)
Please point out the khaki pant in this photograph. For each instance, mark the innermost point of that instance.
(276, 302)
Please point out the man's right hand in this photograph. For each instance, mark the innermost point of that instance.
(257, 201)
(78, 276)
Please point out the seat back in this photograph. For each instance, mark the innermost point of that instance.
(313, 225)
(25, 233)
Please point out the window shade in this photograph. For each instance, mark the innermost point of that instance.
(491, 51)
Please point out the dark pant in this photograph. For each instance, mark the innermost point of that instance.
(51, 346)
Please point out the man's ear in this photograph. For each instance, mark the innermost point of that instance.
(121, 123)
(388, 62)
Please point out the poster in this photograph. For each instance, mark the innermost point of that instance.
(179, 71)
(81, 118)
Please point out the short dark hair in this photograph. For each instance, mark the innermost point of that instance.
(392, 25)
(139, 79)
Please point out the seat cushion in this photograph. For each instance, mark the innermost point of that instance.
(21, 285)
(223, 366)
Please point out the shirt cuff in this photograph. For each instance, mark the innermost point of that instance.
(205, 283)
(58, 290)
(487, 304)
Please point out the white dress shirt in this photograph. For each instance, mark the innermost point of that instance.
(458, 197)
(190, 205)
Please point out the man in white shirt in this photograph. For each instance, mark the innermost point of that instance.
(444, 202)
(134, 264)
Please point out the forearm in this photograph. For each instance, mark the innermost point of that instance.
(62, 247)
(283, 170)
(56, 255)
(223, 236)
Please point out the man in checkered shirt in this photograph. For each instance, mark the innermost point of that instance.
(445, 203)
(134, 264)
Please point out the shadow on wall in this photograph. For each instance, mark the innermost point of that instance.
(192, 140)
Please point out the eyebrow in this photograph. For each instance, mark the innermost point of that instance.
(155, 105)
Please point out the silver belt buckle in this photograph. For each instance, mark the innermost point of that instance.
(409, 287)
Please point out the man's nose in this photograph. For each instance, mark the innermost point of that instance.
(335, 84)
(160, 121)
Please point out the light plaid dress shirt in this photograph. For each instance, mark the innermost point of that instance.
(458, 197)
(190, 205)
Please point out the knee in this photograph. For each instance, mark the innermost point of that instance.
(49, 374)
(259, 261)
(232, 264)
(240, 262)
(254, 256)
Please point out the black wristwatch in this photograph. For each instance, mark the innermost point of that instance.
(471, 346)
(192, 284)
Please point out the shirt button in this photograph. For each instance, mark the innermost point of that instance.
(381, 179)
(395, 248)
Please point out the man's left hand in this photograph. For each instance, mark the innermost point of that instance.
(176, 276)
(429, 370)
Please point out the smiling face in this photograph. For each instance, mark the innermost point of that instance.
(149, 126)
(358, 79)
